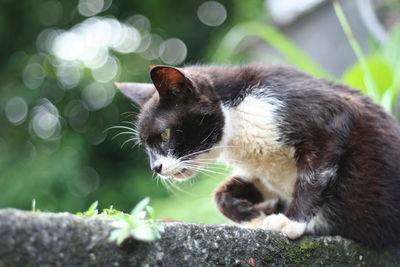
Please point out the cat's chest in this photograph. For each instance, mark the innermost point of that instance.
(253, 147)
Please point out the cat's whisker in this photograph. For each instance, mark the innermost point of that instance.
(202, 161)
(137, 143)
(122, 133)
(129, 123)
(196, 153)
(204, 173)
(129, 113)
(204, 151)
(203, 169)
(178, 187)
(222, 168)
(214, 161)
(175, 186)
(119, 127)
(207, 166)
(130, 116)
(129, 140)
(134, 105)
(155, 177)
(208, 136)
(221, 146)
(165, 182)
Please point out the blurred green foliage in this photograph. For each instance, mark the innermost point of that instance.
(384, 67)
(55, 108)
(272, 36)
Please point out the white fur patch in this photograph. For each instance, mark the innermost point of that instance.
(173, 167)
(169, 164)
(281, 223)
(252, 146)
(179, 169)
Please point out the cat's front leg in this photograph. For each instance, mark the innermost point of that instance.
(306, 203)
(243, 203)
(293, 223)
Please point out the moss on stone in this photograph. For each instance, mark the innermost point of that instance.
(68, 240)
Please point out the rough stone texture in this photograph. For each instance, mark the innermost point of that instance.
(47, 239)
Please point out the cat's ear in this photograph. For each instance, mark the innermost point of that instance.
(171, 81)
(137, 92)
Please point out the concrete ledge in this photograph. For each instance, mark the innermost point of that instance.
(48, 239)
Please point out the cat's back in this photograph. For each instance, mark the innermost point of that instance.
(234, 83)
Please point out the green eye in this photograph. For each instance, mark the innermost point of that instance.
(166, 134)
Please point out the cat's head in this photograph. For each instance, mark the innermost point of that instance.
(180, 121)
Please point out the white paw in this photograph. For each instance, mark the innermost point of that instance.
(294, 229)
(281, 223)
(275, 222)
(255, 223)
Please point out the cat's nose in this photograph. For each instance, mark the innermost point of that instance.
(157, 168)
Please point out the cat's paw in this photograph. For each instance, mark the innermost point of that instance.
(236, 198)
(254, 223)
(281, 223)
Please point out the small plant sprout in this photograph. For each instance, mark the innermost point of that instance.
(111, 211)
(34, 209)
(92, 210)
(139, 224)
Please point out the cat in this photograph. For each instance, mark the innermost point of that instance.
(309, 156)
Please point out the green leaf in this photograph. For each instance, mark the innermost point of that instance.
(115, 234)
(380, 70)
(150, 212)
(137, 225)
(92, 210)
(119, 236)
(141, 206)
(93, 207)
(111, 211)
(144, 233)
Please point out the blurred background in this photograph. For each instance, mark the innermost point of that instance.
(60, 58)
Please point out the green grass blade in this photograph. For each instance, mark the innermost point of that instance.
(369, 81)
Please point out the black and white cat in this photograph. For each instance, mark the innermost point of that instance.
(309, 156)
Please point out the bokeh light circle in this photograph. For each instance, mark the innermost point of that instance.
(89, 8)
(173, 51)
(45, 121)
(107, 72)
(212, 13)
(16, 110)
(97, 95)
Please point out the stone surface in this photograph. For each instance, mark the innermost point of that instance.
(48, 239)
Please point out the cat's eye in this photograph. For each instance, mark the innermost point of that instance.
(166, 134)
